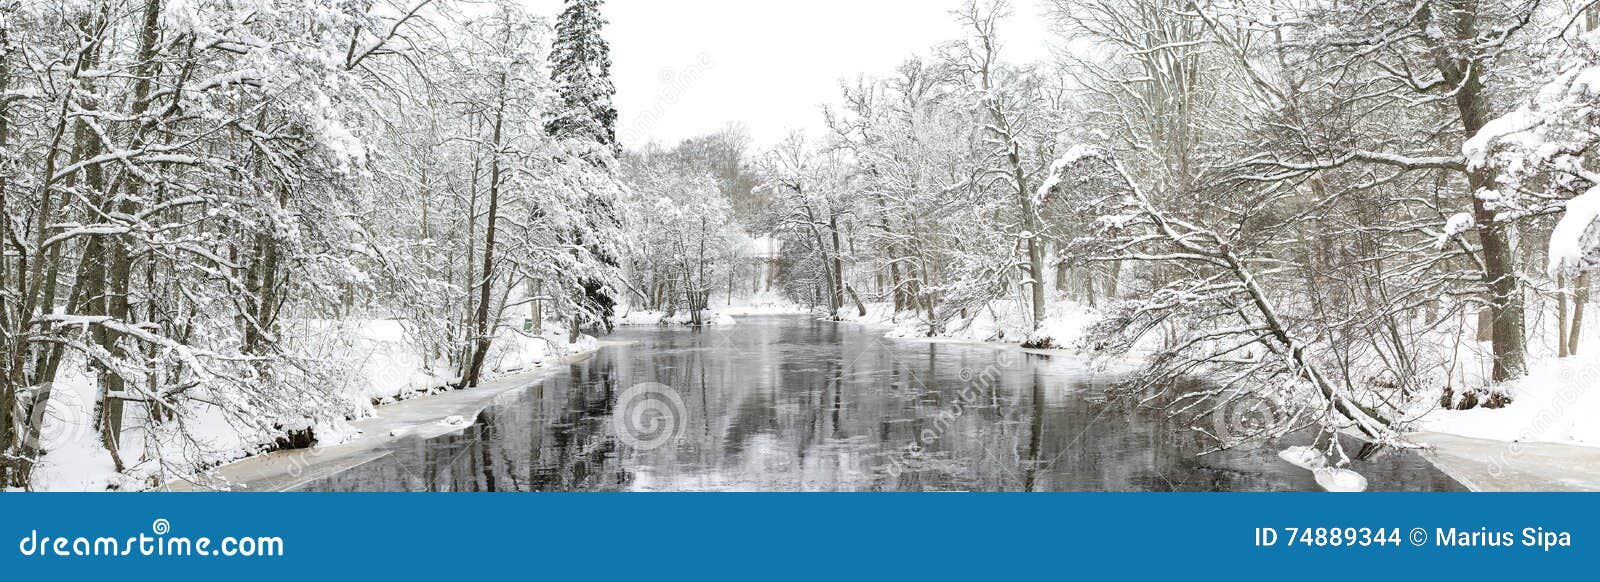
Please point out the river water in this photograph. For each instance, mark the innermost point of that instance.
(787, 403)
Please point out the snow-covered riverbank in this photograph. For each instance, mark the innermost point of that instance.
(1540, 441)
(1556, 403)
(375, 364)
(722, 312)
(1003, 322)
(1546, 436)
(423, 417)
(1546, 439)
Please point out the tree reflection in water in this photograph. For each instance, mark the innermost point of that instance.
(786, 403)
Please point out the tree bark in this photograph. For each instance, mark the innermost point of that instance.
(481, 325)
(535, 305)
(838, 260)
(1580, 297)
(1499, 261)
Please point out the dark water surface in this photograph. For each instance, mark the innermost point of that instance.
(786, 403)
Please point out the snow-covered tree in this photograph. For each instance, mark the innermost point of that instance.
(1540, 155)
(161, 222)
(1014, 107)
(584, 119)
(581, 69)
(688, 239)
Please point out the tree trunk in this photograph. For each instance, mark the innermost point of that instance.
(464, 350)
(485, 283)
(39, 273)
(1088, 287)
(1499, 260)
(835, 296)
(104, 262)
(7, 384)
(861, 308)
(1111, 280)
(838, 260)
(1561, 316)
(1035, 249)
(535, 305)
(1580, 297)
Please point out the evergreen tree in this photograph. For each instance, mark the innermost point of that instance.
(581, 69)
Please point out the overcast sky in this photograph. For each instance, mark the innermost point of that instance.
(687, 67)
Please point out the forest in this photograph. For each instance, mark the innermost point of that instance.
(233, 226)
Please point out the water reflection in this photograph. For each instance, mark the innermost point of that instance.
(791, 404)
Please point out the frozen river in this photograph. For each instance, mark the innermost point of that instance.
(787, 403)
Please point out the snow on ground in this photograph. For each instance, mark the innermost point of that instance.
(647, 317)
(1556, 403)
(760, 304)
(382, 364)
(721, 312)
(388, 367)
(1001, 322)
(515, 352)
(75, 460)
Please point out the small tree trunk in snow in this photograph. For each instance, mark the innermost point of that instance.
(535, 306)
(1580, 297)
(1561, 316)
(838, 261)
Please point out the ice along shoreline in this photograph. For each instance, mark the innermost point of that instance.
(423, 417)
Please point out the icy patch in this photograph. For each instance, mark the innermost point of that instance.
(1307, 458)
(1340, 480)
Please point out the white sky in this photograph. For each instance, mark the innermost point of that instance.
(688, 67)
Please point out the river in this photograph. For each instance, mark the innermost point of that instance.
(788, 403)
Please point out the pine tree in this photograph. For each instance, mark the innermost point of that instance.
(581, 69)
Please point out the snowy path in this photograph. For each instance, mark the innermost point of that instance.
(424, 417)
(1485, 465)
